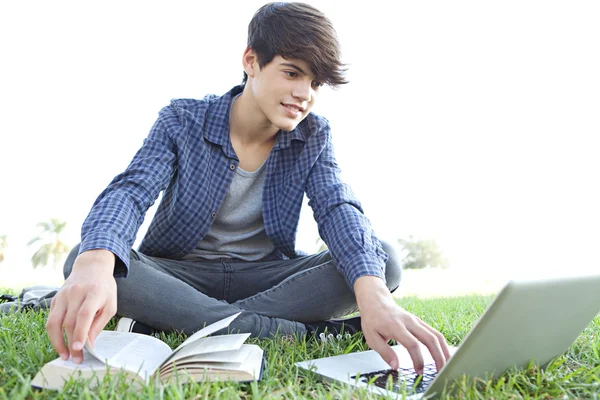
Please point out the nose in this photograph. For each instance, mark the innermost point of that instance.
(302, 91)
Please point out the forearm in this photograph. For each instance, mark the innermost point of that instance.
(341, 220)
(119, 210)
(114, 220)
(353, 245)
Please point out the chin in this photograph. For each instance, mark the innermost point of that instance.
(287, 124)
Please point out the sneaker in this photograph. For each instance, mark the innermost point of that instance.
(130, 325)
(330, 338)
(334, 327)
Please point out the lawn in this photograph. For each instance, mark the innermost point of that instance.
(24, 348)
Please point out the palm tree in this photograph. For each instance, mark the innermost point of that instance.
(52, 247)
(3, 244)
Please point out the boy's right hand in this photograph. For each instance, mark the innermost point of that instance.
(84, 304)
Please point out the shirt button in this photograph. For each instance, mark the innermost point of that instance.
(232, 167)
(214, 214)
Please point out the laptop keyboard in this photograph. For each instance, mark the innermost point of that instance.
(401, 377)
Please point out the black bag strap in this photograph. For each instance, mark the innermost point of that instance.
(7, 297)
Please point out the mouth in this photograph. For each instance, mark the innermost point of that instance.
(293, 108)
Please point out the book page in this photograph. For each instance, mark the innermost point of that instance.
(232, 356)
(212, 328)
(137, 353)
(209, 345)
(249, 369)
(88, 362)
(54, 374)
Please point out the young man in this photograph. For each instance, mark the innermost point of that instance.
(234, 170)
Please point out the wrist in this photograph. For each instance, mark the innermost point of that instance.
(368, 286)
(102, 261)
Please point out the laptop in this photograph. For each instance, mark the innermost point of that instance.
(527, 321)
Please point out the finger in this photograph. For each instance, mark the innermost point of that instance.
(70, 321)
(410, 342)
(85, 315)
(54, 325)
(441, 339)
(379, 344)
(431, 341)
(100, 322)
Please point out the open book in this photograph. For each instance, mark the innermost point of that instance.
(199, 358)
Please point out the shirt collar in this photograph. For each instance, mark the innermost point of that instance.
(284, 138)
(217, 121)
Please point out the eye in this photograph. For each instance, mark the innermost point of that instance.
(291, 74)
(317, 84)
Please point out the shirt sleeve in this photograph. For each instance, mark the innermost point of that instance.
(118, 212)
(341, 221)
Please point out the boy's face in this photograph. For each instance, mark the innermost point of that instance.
(285, 90)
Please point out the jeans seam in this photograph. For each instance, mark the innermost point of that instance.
(226, 280)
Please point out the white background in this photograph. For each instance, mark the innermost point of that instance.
(472, 123)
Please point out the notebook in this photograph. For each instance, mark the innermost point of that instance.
(528, 320)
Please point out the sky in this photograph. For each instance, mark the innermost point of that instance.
(472, 123)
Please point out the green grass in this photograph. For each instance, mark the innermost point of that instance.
(24, 348)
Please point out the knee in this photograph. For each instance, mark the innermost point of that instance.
(68, 267)
(393, 267)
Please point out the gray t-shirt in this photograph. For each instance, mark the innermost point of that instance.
(238, 230)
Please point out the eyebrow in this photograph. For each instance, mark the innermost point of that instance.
(294, 66)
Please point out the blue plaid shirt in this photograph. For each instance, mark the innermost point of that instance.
(189, 156)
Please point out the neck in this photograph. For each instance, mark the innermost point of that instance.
(247, 122)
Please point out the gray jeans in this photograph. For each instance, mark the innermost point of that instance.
(274, 296)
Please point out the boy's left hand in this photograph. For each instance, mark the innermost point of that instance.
(382, 319)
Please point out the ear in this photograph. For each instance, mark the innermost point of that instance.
(250, 62)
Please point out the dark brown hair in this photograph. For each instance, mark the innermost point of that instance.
(297, 30)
